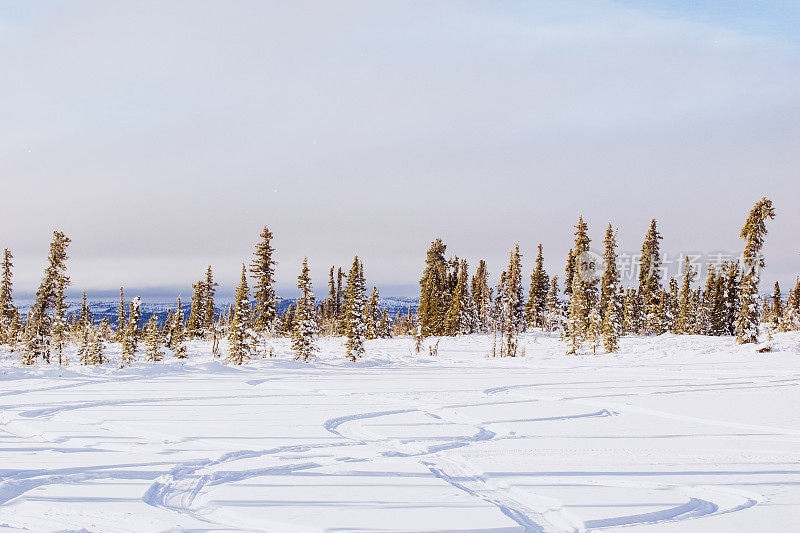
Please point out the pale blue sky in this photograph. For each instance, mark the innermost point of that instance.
(161, 136)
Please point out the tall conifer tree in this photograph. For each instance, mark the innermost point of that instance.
(584, 288)
(59, 328)
(609, 281)
(121, 323)
(97, 348)
(753, 233)
(39, 319)
(577, 319)
(355, 320)
(240, 342)
(685, 310)
(777, 306)
(153, 341)
(732, 283)
(196, 321)
(514, 301)
(330, 302)
(569, 273)
(263, 270)
(209, 311)
(304, 334)
(6, 289)
(433, 302)
(650, 277)
(482, 297)
(177, 340)
(373, 314)
(554, 321)
(461, 316)
(536, 308)
(610, 309)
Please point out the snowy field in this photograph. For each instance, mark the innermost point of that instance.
(673, 434)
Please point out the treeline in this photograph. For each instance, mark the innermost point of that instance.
(44, 334)
(594, 310)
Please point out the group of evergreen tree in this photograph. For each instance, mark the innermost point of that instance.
(202, 317)
(595, 310)
(779, 314)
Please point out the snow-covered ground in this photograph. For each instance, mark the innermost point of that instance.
(673, 434)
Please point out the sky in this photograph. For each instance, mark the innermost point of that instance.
(163, 136)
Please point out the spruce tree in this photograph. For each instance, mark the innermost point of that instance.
(121, 323)
(731, 296)
(6, 296)
(577, 319)
(105, 329)
(685, 312)
(671, 306)
(777, 306)
(610, 313)
(31, 343)
(355, 322)
(153, 342)
(240, 342)
(177, 341)
(718, 303)
(263, 270)
(462, 315)
(194, 325)
(209, 311)
(469, 314)
(633, 312)
(499, 314)
(373, 314)
(791, 312)
(13, 334)
(536, 308)
(84, 347)
(385, 325)
(706, 305)
(304, 334)
(86, 315)
(613, 322)
(134, 316)
(554, 321)
(584, 288)
(569, 272)
(609, 281)
(452, 322)
(514, 301)
(287, 320)
(482, 297)
(753, 233)
(339, 291)
(329, 312)
(594, 332)
(128, 341)
(433, 302)
(96, 349)
(650, 262)
(39, 320)
(59, 327)
(650, 278)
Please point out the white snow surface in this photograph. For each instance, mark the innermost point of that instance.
(675, 433)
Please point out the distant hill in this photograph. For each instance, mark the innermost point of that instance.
(107, 308)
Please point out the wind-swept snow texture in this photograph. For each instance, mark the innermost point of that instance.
(674, 434)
